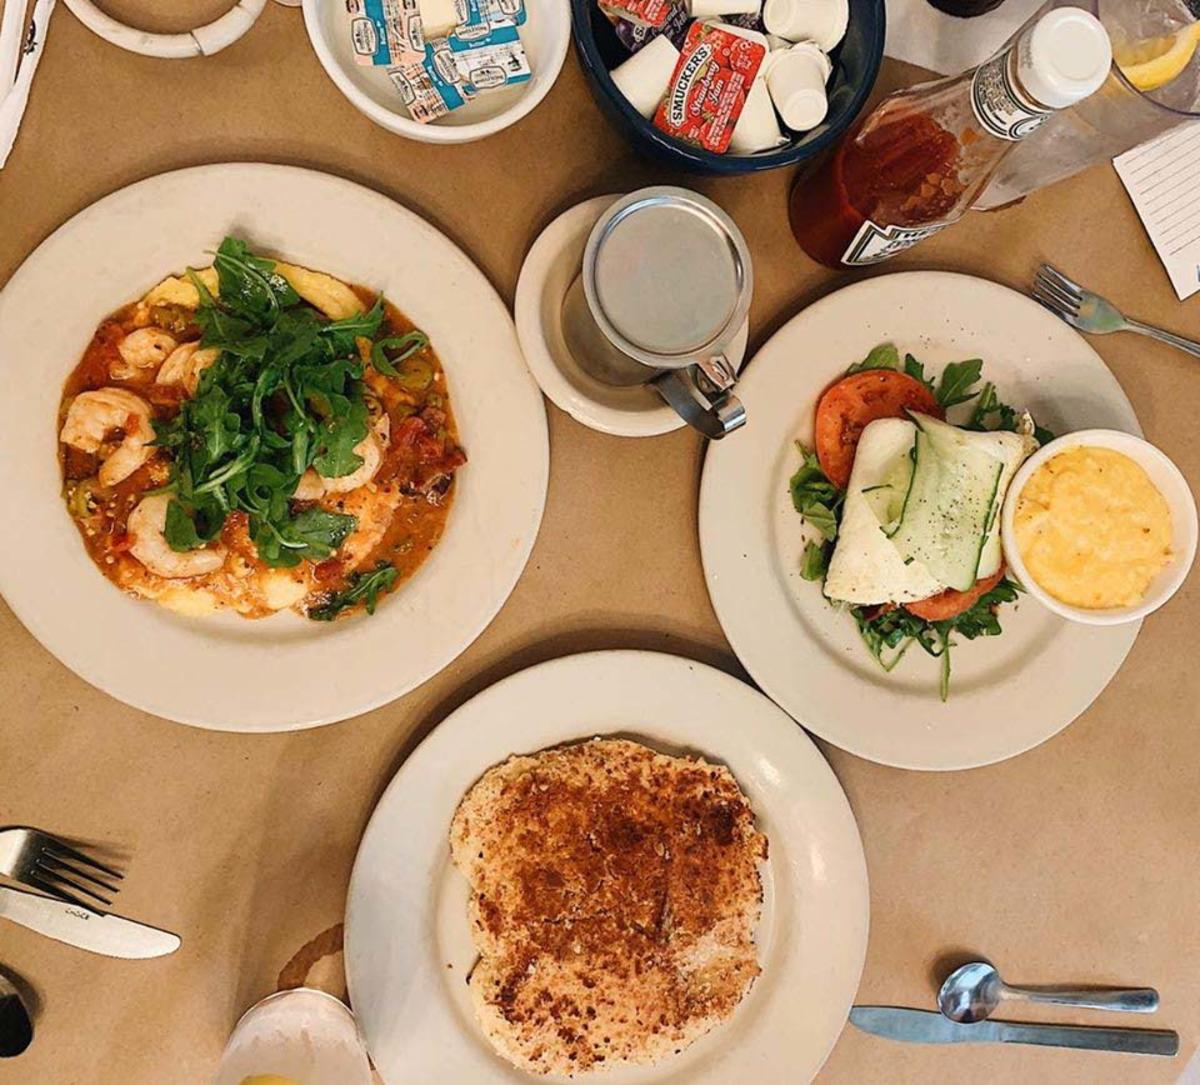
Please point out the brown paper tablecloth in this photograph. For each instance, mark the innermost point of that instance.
(1077, 861)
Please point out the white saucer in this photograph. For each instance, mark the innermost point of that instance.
(551, 266)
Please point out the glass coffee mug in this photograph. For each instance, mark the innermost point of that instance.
(664, 290)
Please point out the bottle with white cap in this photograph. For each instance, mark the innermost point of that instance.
(917, 162)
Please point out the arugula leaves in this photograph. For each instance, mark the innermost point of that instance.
(814, 497)
(814, 562)
(362, 586)
(884, 356)
(895, 630)
(285, 394)
(957, 380)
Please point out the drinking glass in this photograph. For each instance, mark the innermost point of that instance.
(1117, 118)
(302, 1036)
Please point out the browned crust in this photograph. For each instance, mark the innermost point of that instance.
(615, 895)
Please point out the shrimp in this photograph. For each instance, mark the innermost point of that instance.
(94, 417)
(145, 348)
(371, 448)
(185, 365)
(150, 547)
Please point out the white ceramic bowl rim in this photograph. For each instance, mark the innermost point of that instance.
(1179, 499)
(544, 78)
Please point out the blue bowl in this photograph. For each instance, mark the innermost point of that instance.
(855, 65)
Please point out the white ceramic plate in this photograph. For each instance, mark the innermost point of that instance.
(408, 946)
(553, 263)
(1008, 693)
(283, 672)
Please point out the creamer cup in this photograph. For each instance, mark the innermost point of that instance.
(758, 128)
(823, 22)
(645, 76)
(706, 9)
(796, 83)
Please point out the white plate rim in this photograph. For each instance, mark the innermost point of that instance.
(634, 685)
(292, 702)
(776, 665)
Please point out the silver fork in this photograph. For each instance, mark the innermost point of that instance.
(44, 862)
(1090, 312)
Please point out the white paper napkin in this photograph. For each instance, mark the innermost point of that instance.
(920, 34)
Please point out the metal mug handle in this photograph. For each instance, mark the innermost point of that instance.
(700, 394)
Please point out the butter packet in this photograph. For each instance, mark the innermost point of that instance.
(386, 32)
(418, 92)
(459, 71)
(506, 12)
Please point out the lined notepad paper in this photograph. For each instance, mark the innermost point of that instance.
(1163, 180)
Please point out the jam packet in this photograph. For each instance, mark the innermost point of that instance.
(652, 13)
(708, 91)
(635, 35)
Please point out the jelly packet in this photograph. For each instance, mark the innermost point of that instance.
(652, 13)
(708, 90)
(635, 35)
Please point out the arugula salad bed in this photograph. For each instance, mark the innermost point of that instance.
(889, 630)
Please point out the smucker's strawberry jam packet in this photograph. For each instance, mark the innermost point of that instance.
(640, 12)
(708, 90)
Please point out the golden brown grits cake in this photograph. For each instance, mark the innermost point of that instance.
(615, 895)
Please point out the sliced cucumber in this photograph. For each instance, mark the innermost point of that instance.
(886, 499)
(949, 504)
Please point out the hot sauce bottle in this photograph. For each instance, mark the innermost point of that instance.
(917, 162)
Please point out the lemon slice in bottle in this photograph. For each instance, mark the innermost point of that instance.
(1154, 62)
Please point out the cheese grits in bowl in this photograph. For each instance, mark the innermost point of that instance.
(1100, 527)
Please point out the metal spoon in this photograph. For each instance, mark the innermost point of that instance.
(16, 1029)
(973, 992)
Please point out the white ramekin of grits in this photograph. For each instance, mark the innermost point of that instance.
(1099, 526)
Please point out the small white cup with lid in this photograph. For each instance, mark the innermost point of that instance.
(822, 22)
(796, 82)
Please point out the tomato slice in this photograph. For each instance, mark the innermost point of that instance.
(849, 405)
(950, 603)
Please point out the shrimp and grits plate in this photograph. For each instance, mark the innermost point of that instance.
(852, 542)
(617, 885)
(258, 436)
(274, 444)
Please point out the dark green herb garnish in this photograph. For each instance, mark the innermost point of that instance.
(286, 394)
(362, 586)
(814, 497)
(888, 634)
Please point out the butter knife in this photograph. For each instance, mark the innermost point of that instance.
(107, 934)
(924, 1027)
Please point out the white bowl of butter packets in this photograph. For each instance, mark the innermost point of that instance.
(1100, 527)
(441, 71)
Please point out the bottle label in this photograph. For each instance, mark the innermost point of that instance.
(873, 244)
(1000, 105)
